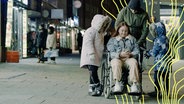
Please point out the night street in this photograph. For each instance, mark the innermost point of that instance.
(28, 82)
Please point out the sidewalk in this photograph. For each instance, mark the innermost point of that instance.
(65, 59)
(28, 82)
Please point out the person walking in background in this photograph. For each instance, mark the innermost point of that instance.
(32, 43)
(159, 50)
(124, 51)
(41, 42)
(92, 50)
(137, 19)
(33, 38)
(79, 40)
(51, 43)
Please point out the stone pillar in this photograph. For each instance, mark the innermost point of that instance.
(153, 9)
(181, 50)
(0, 36)
(3, 30)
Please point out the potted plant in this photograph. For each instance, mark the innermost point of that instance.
(12, 55)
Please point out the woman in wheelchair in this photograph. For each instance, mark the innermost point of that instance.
(124, 51)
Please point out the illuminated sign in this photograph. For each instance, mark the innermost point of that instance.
(9, 23)
(57, 13)
(76, 20)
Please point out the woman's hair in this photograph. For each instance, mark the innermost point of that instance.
(120, 25)
(51, 28)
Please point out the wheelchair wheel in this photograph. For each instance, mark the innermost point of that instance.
(107, 85)
(138, 98)
(103, 76)
(107, 92)
(104, 79)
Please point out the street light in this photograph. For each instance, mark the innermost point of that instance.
(77, 4)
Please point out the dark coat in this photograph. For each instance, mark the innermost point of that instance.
(41, 38)
(79, 39)
(136, 21)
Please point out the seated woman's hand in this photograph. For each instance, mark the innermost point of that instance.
(125, 54)
(129, 54)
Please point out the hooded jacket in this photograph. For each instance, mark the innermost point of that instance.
(93, 41)
(134, 4)
(136, 21)
(161, 45)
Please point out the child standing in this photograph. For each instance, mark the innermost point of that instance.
(159, 50)
(92, 50)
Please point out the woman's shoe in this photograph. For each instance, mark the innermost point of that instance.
(117, 87)
(154, 94)
(38, 61)
(135, 88)
(53, 62)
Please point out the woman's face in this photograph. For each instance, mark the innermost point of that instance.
(123, 31)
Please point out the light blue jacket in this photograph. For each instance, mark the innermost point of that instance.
(116, 45)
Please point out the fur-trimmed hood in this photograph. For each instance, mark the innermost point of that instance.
(100, 22)
(93, 41)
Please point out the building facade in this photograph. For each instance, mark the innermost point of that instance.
(73, 17)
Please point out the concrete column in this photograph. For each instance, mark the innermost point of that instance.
(153, 9)
(181, 50)
(0, 35)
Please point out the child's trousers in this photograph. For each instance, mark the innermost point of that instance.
(93, 71)
(161, 79)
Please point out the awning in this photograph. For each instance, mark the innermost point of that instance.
(33, 14)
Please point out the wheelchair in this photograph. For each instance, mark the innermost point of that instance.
(107, 78)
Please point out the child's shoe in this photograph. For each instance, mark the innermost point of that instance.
(95, 89)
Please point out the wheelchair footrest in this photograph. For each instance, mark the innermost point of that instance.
(129, 93)
(117, 93)
(135, 93)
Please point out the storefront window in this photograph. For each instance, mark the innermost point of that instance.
(9, 23)
(25, 2)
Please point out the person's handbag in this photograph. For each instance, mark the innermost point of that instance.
(51, 53)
